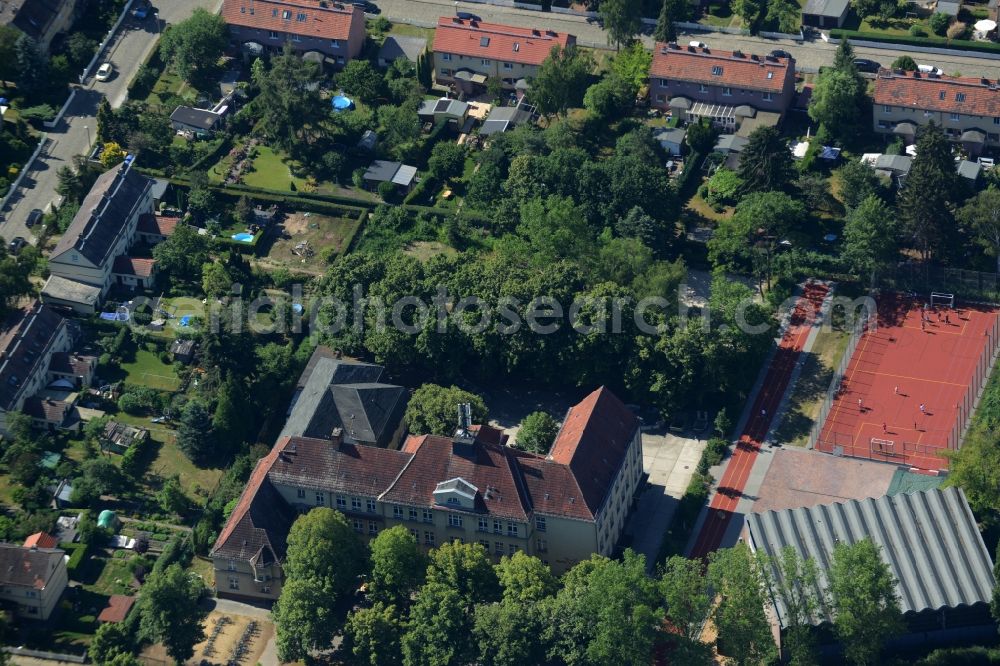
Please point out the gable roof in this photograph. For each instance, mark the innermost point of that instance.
(335, 467)
(929, 539)
(831, 8)
(159, 225)
(28, 567)
(104, 213)
(330, 20)
(947, 94)
(135, 266)
(258, 527)
(593, 441)
(189, 115)
(41, 540)
(117, 609)
(528, 46)
(398, 46)
(24, 340)
(712, 67)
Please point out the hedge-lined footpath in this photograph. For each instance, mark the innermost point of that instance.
(929, 41)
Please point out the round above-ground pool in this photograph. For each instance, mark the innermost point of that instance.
(243, 237)
(341, 103)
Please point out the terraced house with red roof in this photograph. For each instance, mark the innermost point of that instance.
(472, 487)
(735, 91)
(468, 53)
(968, 109)
(334, 30)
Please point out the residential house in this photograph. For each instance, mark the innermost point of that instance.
(182, 351)
(735, 91)
(32, 579)
(154, 229)
(41, 20)
(504, 118)
(968, 109)
(41, 540)
(134, 272)
(944, 579)
(349, 395)
(467, 53)
(70, 370)
(403, 176)
(118, 608)
(396, 46)
(450, 110)
(671, 139)
(825, 13)
(32, 343)
(562, 507)
(333, 29)
(83, 264)
(190, 119)
(118, 437)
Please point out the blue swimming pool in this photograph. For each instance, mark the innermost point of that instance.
(186, 320)
(243, 237)
(341, 103)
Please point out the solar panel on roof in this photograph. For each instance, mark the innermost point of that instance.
(442, 105)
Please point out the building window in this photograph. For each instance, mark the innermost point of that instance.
(272, 34)
(941, 95)
(234, 583)
(702, 88)
(540, 523)
(453, 501)
(429, 538)
(767, 97)
(320, 499)
(542, 546)
(508, 66)
(497, 526)
(265, 589)
(661, 98)
(359, 526)
(286, 14)
(485, 543)
(446, 57)
(300, 493)
(512, 548)
(416, 534)
(372, 527)
(996, 120)
(296, 38)
(484, 524)
(355, 504)
(511, 529)
(274, 13)
(300, 17)
(445, 72)
(335, 43)
(397, 512)
(232, 565)
(413, 513)
(485, 62)
(727, 91)
(341, 502)
(959, 97)
(993, 137)
(716, 70)
(954, 116)
(428, 516)
(883, 125)
(663, 83)
(454, 520)
(886, 109)
(498, 547)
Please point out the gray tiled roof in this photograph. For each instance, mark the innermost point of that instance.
(832, 8)
(25, 339)
(28, 567)
(929, 540)
(396, 46)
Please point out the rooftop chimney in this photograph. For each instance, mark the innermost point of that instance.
(337, 436)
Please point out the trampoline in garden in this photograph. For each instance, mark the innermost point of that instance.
(243, 237)
(341, 103)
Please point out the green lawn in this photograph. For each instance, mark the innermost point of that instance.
(148, 370)
(271, 171)
(168, 85)
(405, 30)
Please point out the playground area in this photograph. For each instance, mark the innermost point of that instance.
(912, 382)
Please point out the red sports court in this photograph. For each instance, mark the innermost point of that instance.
(912, 382)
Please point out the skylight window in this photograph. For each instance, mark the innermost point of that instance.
(716, 71)
(484, 41)
(517, 47)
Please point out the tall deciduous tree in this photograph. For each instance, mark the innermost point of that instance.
(195, 44)
(749, 11)
(325, 557)
(981, 216)
(537, 432)
(8, 52)
(836, 101)
(374, 635)
(685, 592)
(870, 237)
(739, 616)
(622, 20)
(766, 162)
(398, 566)
(857, 182)
(360, 78)
(562, 80)
(793, 580)
(171, 613)
(183, 254)
(925, 202)
(784, 14)
(433, 409)
(864, 600)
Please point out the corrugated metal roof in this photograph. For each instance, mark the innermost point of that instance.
(929, 539)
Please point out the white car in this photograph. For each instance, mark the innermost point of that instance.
(698, 45)
(930, 69)
(104, 72)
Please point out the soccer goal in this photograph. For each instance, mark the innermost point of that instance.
(939, 299)
(885, 447)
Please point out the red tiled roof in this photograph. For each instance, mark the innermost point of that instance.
(330, 22)
(65, 363)
(117, 609)
(489, 434)
(593, 441)
(553, 489)
(41, 540)
(500, 42)
(688, 63)
(305, 462)
(157, 224)
(918, 91)
(490, 468)
(142, 268)
(46, 409)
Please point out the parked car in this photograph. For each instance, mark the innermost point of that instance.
(698, 45)
(781, 53)
(34, 217)
(140, 11)
(467, 16)
(104, 72)
(930, 69)
(866, 65)
(368, 7)
(16, 244)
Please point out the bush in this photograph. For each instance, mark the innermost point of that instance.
(723, 188)
(905, 62)
(958, 31)
(916, 31)
(939, 23)
(77, 553)
(386, 190)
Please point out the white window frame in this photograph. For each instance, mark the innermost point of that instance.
(234, 583)
(454, 520)
(954, 117)
(370, 505)
(727, 91)
(446, 57)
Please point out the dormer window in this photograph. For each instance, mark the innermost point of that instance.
(716, 70)
(453, 501)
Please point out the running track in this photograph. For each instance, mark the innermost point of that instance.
(779, 375)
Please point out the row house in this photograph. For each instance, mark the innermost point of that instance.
(32, 579)
(737, 92)
(334, 30)
(562, 507)
(467, 53)
(968, 109)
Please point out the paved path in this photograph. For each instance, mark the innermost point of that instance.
(74, 134)
(809, 55)
(741, 470)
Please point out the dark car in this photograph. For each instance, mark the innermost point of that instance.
(467, 16)
(866, 65)
(34, 217)
(368, 7)
(781, 53)
(16, 244)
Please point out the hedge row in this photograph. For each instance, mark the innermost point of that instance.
(77, 553)
(929, 41)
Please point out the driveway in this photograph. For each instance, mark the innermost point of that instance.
(74, 134)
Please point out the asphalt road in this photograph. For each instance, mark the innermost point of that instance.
(74, 134)
(809, 55)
